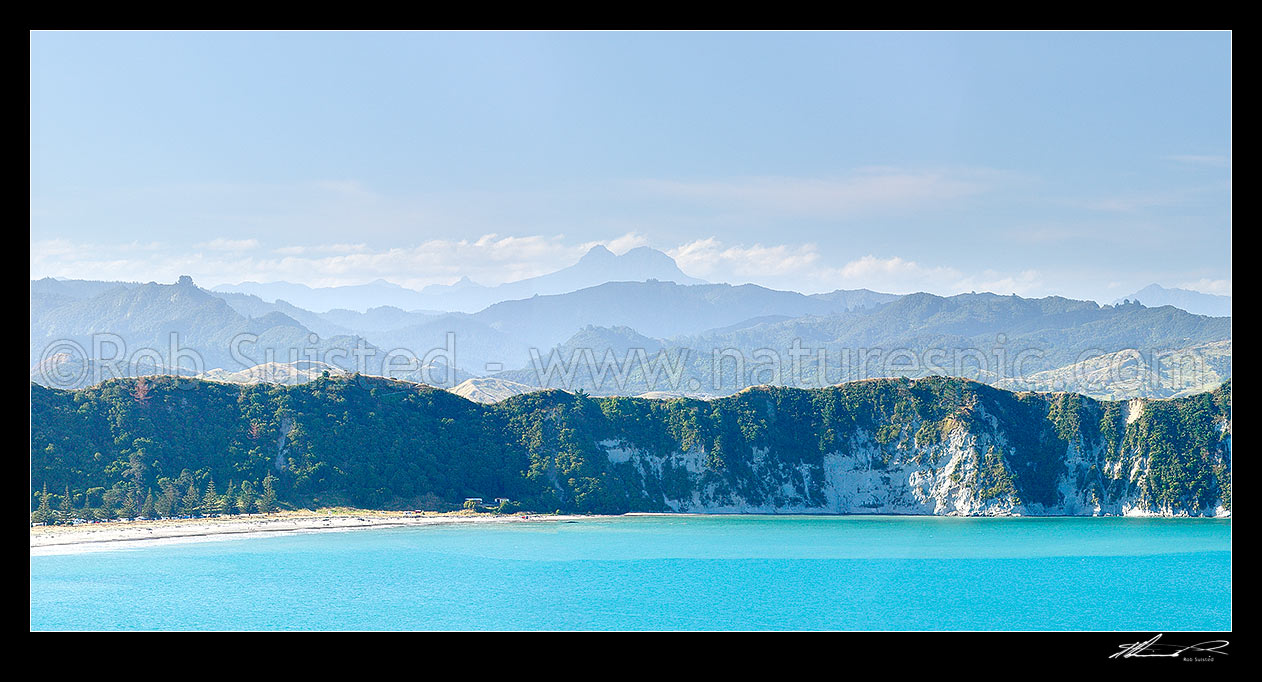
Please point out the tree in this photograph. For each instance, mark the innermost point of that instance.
(148, 510)
(136, 469)
(167, 500)
(267, 501)
(245, 499)
(210, 501)
(107, 511)
(507, 507)
(131, 507)
(192, 502)
(88, 512)
(228, 503)
(44, 514)
(66, 511)
(184, 480)
(141, 392)
(113, 497)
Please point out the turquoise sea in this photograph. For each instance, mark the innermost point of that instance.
(649, 573)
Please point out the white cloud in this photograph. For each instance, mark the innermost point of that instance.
(489, 259)
(900, 276)
(1222, 287)
(803, 268)
(710, 259)
(870, 267)
(321, 248)
(621, 245)
(494, 258)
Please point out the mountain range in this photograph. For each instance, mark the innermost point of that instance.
(83, 332)
(1196, 302)
(1005, 340)
(597, 266)
(640, 334)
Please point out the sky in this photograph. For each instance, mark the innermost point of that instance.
(1085, 164)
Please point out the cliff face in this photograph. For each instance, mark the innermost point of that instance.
(1124, 460)
(897, 446)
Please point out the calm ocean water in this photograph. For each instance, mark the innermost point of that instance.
(710, 573)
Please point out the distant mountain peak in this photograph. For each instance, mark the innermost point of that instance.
(597, 266)
(643, 263)
(597, 253)
(1195, 302)
(647, 255)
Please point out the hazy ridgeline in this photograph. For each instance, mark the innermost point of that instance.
(630, 338)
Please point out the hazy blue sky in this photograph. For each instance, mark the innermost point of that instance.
(1081, 164)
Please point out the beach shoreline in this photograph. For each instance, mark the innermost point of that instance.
(47, 540)
(113, 535)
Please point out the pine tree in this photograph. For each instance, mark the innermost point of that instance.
(136, 469)
(130, 507)
(86, 512)
(107, 511)
(267, 502)
(44, 514)
(148, 510)
(66, 511)
(192, 502)
(228, 503)
(167, 500)
(210, 501)
(245, 499)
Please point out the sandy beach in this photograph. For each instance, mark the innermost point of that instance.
(122, 534)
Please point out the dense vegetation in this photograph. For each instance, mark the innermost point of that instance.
(162, 446)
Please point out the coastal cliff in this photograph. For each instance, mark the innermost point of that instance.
(938, 446)
(995, 454)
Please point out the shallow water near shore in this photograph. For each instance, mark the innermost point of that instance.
(664, 572)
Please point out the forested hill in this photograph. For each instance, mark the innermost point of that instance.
(927, 446)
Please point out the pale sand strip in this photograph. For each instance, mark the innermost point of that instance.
(119, 534)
